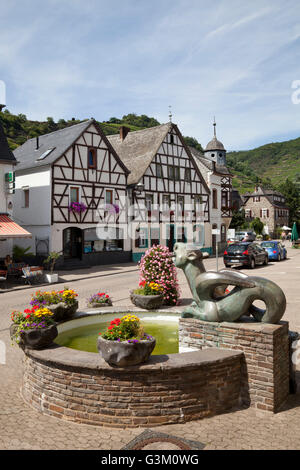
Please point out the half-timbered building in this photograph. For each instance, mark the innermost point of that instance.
(168, 196)
(212, 164)
(71, 195)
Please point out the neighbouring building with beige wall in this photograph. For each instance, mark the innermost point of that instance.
(269, 206)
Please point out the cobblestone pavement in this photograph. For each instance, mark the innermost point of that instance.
(22, 427)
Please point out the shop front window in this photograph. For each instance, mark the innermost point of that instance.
(103, 239)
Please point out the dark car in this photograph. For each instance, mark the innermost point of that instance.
(245, 254)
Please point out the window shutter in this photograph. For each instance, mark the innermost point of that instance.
(260, 213)
(267, 212)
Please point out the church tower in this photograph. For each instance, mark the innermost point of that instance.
(215, 150)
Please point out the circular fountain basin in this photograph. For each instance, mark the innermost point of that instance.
(82, 333)
(78, 385)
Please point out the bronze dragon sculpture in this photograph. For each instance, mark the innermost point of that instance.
(209, 307)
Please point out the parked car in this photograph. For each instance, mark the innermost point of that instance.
(275, 249)
(245, 254)
(246, 235)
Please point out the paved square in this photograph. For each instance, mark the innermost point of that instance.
(24, 428)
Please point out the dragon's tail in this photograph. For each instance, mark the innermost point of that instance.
(274, 298)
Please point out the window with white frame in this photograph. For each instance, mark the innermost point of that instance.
(141, 240)
(109, 196)
(166, 202)
(74, 195)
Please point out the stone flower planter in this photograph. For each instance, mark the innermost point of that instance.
(63, 311)
(35, 338)
(148, 302)
(100, 305)
(124, 354)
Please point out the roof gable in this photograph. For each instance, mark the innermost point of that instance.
(52, 146)
(29, 157)
(138, 149)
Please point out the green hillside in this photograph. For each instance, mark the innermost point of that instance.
(270, 164)
(18, 128)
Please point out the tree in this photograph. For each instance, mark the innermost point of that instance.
(292, 198)
(257, 225)
(192, 142)
(238, 220)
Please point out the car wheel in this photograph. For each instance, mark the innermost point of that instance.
(279, 257)
(266, 260)
(252, 263)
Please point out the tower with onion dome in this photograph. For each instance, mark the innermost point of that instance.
(215, 150)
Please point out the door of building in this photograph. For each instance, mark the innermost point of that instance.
(72, 242)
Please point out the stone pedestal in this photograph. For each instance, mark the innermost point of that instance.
(265, 370)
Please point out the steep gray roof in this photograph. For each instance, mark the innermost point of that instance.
(138, 149)
(209, 164)
(27, 155)
(268, 194)
(6, 154)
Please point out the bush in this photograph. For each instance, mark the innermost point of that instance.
(157, 266)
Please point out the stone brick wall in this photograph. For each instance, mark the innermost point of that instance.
(81, 387)
(265, 368)
(256, 207)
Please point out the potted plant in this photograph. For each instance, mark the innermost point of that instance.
(148, 296)
(125, 343)
(99, 300)
(51, 260)
(34, 328)
(63, 303)
(157, 265)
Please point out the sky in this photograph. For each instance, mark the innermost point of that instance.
(231, 59)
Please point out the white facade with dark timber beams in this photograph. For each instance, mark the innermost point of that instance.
(70, 187)
(169, 198)
(212, 164)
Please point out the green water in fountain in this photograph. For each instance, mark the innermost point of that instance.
(85, 337)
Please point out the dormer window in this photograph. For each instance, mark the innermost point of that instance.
(92, 158)
(171, 139)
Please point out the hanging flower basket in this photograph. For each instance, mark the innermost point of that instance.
(77, 207)
(112, 208)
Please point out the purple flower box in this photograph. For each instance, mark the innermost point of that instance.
(77, 207)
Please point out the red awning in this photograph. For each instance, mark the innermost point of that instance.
(9, 229)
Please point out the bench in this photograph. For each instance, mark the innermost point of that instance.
(15, 269)
(33, 274)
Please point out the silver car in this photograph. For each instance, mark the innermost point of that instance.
(245, 235)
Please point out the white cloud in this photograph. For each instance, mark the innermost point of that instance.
(228, 58)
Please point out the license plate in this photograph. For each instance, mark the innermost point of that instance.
(234, 261)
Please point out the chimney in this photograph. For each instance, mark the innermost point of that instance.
(123, 132)
(37, 143)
